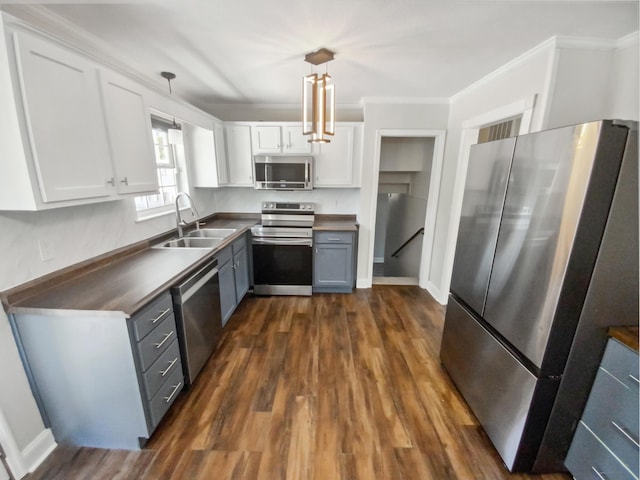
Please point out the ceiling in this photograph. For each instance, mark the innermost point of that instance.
(252, 51)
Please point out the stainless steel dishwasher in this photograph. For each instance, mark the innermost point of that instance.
(196, 303)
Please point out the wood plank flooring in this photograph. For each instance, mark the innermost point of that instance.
(329, 387)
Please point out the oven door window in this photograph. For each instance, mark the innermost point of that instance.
(282, 264)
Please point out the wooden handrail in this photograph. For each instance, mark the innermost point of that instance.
(420, 231)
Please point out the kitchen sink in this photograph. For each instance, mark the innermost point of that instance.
(191, 242)
(212, 233)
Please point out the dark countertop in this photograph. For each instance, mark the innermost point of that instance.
(336, 222)
(128, 283)
(626, 335)
(119, 284)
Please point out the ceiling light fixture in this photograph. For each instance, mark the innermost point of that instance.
(174, 133)
(318, 100)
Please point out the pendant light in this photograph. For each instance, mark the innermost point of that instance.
(318, 100)
(174, 133)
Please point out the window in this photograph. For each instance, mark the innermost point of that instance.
(168, 172)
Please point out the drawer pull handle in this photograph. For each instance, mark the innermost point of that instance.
(333, 239)
(164, 372)
(634, 379)
(624, 432)
(175, 389)
(160, 316)
(166, 337)
(600, 475)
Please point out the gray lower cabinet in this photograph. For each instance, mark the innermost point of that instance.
(333, 261)
(233, 273)
(101, 379)
(605, 445)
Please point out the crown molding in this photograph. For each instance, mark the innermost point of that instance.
(42, 21)
(630, 40)
(548, 45)
(405, 100)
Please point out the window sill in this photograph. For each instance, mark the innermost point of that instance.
(143, 216)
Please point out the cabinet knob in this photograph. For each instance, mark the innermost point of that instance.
(112, 181)
(125, 180)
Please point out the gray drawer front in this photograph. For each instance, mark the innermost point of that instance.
(224, 256)
(334, 237)
(166, 396)
(611, 401)
(154, 344)
(587, 455)
(621, 362)
(150, 316)
(161, 369)
(239, 244)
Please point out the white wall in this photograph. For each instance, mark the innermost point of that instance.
(525, 77)
(581, 88)
(344, 201)
(386, 116)
(623, 100)
(573, 80)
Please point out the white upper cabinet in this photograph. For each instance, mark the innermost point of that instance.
(338, 163)
(129, 132)
(65, 127)
(239, 155)
(221, 153)
(279, 138)
(199, 145)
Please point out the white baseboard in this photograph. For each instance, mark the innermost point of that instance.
(436, 293)
(38, 450)
(363, 283)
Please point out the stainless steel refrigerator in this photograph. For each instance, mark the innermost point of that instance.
(546, 259)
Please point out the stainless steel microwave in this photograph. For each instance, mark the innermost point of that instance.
(282, 172)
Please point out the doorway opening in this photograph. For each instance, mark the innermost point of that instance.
(404, 179)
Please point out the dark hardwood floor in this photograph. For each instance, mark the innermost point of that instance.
(326, 387)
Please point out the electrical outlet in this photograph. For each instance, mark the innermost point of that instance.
(47, 252)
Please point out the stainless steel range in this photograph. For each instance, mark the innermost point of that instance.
(283, 249)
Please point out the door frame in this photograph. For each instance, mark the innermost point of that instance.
(439, 137)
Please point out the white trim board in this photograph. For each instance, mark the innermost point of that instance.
(25, 461)
(439, 137)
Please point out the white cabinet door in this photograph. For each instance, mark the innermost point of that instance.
(239, 156)
(129, 131)
(66, 129)
(221, 153)
(200, 150)
(266, 139)
(294, 141)
(334, 161)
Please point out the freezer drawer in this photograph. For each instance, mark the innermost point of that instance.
(511, 404)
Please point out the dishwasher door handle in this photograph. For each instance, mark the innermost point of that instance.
(282, 241)
(193, 284)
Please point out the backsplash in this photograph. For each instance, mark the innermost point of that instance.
(344, 201)
(76, 234)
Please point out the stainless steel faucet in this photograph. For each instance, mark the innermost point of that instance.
(194, 212)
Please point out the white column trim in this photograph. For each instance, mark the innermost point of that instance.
(11, 450)
(22, 462)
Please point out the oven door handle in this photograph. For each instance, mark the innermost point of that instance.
(282, 241)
